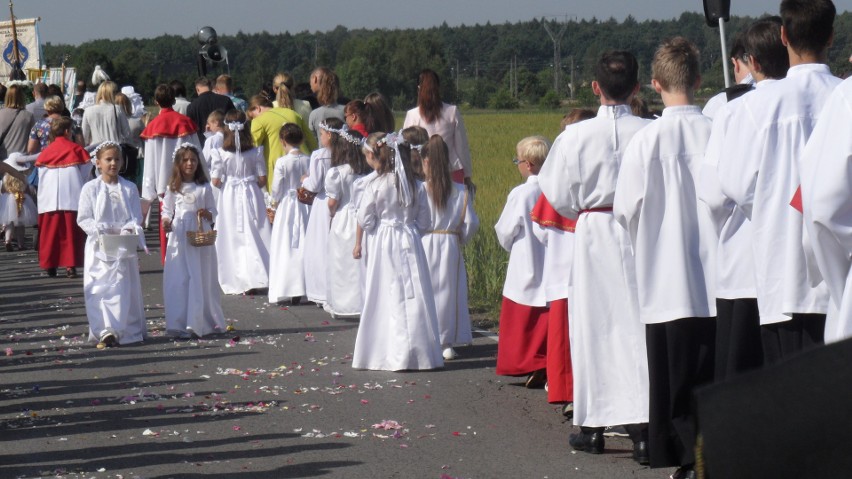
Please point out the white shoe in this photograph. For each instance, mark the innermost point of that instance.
(450, 354)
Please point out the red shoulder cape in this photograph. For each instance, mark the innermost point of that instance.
(169, 124)
(62, 153)
(544, 214)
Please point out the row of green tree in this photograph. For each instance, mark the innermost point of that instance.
(501, 66)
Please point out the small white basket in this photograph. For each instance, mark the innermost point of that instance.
(119, 245)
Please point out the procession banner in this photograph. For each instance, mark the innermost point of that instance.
(28, 46)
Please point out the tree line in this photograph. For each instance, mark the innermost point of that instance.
(500, 66)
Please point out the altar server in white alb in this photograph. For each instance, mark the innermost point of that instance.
(316, 234)
(742, 75)
(826, 190)
(162, 135)
(579, 178)
(759, 169)
(242, 247)
(287, 250)
(522, 346)
(674, 244)
(453, 222)
(738, 343)
(191, 290)
(109, 205)
(399, 326)
(343, 296)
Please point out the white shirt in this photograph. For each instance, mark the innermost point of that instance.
(759, 169)
(826, 173)
(59, 188)
(159, 158)
(450, 126)
(525, 272)
(656, 201)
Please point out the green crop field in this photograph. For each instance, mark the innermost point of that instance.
(493, 137)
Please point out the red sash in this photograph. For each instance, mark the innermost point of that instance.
(796, 202)
(544, 214)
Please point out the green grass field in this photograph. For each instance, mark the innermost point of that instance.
(493, 136)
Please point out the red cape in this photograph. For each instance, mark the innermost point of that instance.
(168, 124)
(62, 153)
(544, 214)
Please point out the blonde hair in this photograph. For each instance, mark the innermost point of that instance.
(534, 150)
(282, 84)
(329, 86)
(676, 65)
(13, 185)
(15, 97)
(106, 92)
(54, 104)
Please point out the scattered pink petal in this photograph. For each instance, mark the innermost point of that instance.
(236, 428)
(456, 433)
(364, 401)
(387, 424)
(8, 351)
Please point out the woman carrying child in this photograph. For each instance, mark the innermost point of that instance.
(399, 325)
(109, 205)
(453, 222)
(286, 255)
(190, 278)
(244, 230)
(348, 164)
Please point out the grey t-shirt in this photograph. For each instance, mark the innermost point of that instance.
(18, 123)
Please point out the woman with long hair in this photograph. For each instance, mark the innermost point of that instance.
(104, 121)
(443, 119)
(326, 86)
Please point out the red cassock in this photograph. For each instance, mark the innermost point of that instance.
(61, 241)
(167, 124)
(560, 380)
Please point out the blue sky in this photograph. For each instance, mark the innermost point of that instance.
(80, 20)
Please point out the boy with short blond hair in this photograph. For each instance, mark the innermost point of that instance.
(674, 245)
(522, 348)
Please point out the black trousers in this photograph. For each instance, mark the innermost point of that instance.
(782, 340)
(738, 337)
(680, 358)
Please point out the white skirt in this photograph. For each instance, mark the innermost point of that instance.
(316, 247)
(287, 250)
(9, 211)
(344, 272)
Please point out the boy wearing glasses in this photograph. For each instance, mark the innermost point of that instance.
(522, 347)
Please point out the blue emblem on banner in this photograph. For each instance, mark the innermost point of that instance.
(8, 53)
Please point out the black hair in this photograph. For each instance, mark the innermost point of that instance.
(617, 74)
(763, 43)
(809, 24)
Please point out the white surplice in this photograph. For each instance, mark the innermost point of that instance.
(735, 271)
(343, 272)
(244, 231)
(449, 229)
(399, 325)
(316, 235)
(714, 104)
(826, 186)
(111, 283)
(656, 200)
(524, 274)
(59, 188)
(287, 248)
(759, 169)
(608, 354)
(191, 290)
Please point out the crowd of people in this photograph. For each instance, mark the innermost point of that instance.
(649, 255)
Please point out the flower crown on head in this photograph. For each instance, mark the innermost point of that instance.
(105, 144)
(351, 139)
(419, 148)
(189, 145)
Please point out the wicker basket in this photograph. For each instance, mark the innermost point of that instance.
(201, 237)
(270, 214)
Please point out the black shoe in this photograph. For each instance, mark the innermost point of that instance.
(590, 439)
(51, 272)
(295, 301)
(568, 410)
(684, 472)
(9, 247)
(71, 272)
(640, 453)
(537, 379)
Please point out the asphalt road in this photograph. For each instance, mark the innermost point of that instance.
(275, 398)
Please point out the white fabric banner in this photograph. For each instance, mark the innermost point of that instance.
(28, 46)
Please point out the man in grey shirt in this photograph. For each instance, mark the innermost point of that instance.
(37, 106)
